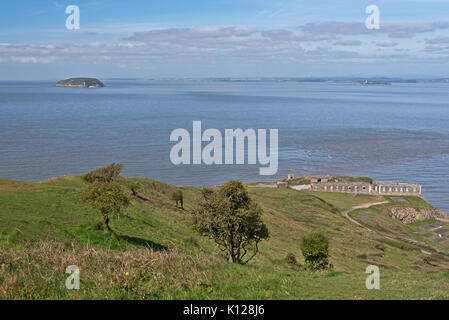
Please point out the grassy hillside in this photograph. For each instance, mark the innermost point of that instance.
(155, 254)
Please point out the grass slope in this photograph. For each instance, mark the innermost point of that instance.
(156, 255)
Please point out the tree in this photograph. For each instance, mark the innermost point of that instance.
(105, 174)
(108, 198)
(232, 220)
(315, 249)
(178, 197)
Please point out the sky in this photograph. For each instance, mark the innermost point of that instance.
(223, 38)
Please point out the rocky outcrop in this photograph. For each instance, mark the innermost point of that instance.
(411, 215)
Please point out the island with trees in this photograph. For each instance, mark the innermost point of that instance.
(80, 83)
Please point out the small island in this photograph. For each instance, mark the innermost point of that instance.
(80, 83)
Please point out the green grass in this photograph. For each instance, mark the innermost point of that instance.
(379, 220)
(412, 201)
(298, 181)
(351, 179)
(155, 254)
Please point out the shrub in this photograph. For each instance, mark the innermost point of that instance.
(177, 197)
(290, 259)
(232, 220)
(314, 248)
(108, 198)
(105, 174)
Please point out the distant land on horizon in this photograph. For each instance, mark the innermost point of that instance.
(296, 79)
(247, 79)
(80, 83)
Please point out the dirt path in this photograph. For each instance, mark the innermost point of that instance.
(362, 206)
(345, 214)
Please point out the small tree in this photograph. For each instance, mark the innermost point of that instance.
(105, 174)
(108, 198)
(178, 198)
(314, 248)
(232, 220)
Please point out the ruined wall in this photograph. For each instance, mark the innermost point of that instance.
(345, 187)
(321, 183)
(394, 188)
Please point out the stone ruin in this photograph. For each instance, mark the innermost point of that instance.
(321, 183)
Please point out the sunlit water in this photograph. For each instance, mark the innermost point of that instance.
(398, 132)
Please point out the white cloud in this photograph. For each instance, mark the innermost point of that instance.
(349, 43)
(393, 30)
(28, 59)
(386, 43)
(438, 40)
(311, 41)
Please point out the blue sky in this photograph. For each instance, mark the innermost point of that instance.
(223, 38)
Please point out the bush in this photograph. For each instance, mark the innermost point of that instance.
(232, 220)
(105, 174)
(290, 259)
(314, 248)
(177, 197)
(107, 198)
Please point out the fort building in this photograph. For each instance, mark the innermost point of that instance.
(377, 187)
(318, 179)
(346, 187)
(281, 184)
(396, 188)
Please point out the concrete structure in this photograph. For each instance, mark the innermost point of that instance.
(318, 179)
(301, 187)
(346, 187)
(320, 183)
(396, 188)
(281, 184)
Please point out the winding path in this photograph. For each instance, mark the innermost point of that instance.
(345, 214)
(362, 206)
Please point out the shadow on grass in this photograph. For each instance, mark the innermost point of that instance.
(143, 242)
(137, 196)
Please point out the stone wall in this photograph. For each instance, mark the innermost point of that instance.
(318, 178)
(345, 187)
(396, 188)
(321, 183)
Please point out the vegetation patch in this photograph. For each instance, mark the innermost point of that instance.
(45, 227)
(351, 179)
(80, 83)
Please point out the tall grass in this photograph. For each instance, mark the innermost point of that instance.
(38, 271)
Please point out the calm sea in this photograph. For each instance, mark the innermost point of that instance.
(398, 132)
